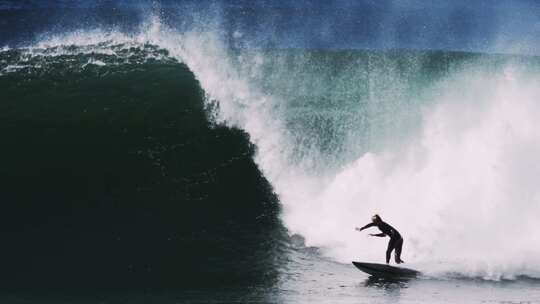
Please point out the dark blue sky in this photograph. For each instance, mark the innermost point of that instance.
(488, 26)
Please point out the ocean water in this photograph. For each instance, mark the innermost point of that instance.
(163, 162)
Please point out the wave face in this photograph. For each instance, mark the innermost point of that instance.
(441, 144)
(114, 178)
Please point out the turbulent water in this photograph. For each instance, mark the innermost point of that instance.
(169, 160)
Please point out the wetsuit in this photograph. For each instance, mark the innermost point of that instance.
(396, 241)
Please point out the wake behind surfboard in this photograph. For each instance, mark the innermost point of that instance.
(386, 271)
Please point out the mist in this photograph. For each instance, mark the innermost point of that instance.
(479, 26)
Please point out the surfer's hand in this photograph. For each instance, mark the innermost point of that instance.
(358, 229)
(372, 234)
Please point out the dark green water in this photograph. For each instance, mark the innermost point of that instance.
(112, 179)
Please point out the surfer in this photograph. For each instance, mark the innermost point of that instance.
(396, 241)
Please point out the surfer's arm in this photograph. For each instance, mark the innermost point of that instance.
(366, 226)
(379, 234)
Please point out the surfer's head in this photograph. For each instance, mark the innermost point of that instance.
(376, 218)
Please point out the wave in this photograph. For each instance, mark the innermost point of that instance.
(441, 144)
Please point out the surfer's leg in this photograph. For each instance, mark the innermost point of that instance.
(391, 245)
(399, 246)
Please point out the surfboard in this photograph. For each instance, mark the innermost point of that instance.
(386, 271)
